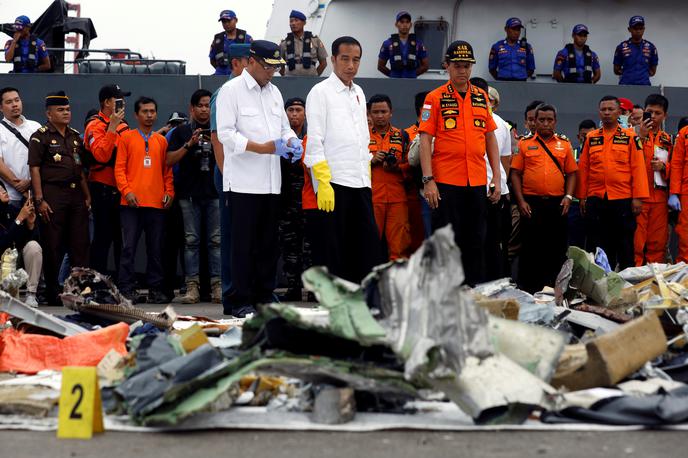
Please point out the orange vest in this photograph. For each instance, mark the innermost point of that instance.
(661, 140)
(612, 164)
(388, 185)
(679, 164)
(541, 177)
(459, 125)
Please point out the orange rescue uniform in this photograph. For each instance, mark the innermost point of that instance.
(541, 177)
(414, 206)
(459, 124)
(148, 182)
(612, 165)
(679, 185)
(651, 232)
(389, 193)
(102, 144)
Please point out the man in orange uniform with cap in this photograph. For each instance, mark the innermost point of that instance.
(102, 136)
(679, 191)
(543, 178)
(456, 114)
(612, 183)
(389, 166)
(652, 231)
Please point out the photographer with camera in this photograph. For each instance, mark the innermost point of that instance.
(389, 148)
(191, 148)
(102, 136)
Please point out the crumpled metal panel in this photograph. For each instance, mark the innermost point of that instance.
(430, 319)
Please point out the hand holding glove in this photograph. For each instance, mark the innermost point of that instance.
(296, 144)
(674, 202)
(283, 149)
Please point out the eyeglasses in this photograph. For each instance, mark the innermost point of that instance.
(267, 67)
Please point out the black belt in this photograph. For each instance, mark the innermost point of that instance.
(64, 184)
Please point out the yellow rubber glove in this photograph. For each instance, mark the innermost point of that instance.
(322, 173)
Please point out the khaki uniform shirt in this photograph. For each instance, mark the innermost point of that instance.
(318, 53)
(58, 157)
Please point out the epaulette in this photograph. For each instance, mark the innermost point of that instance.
(562, 137)
(42, 129)
(75, 131)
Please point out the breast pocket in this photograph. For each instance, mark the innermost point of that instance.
(248, 112)
(622, 159)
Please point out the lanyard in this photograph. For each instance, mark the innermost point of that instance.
(145, 139)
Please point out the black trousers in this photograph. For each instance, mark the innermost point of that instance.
(254, 248)
(134, 222)
(105, 203)
(610, 225)
(544, 239)
(316, 238)
(353, 240)
(67, 231)
(497, 239)
(465, 208)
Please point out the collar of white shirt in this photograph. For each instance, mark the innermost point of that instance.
(339, 84)
(251, 82)
(22, 120)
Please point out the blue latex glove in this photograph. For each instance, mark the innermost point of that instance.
(674, 202)
(298, 149)
(283, 149)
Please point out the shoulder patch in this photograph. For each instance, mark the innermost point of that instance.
(562, 137)
(638, 143)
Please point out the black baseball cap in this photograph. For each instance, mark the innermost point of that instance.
(460, 51)
(294, 101)
(111, 90)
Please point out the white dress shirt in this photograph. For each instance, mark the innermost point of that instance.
(338, 131)
(245, 111)
(503, 134)
(15, 153)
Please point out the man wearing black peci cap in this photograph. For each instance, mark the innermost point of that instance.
(292, 218)
(458, 117)
(102, 136)
(255, 134)
(60, 191)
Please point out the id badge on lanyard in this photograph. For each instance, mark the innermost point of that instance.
(147, 161)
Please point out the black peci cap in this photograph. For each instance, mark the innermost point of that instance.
(56, 99)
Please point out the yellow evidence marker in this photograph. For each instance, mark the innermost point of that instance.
(80, 411)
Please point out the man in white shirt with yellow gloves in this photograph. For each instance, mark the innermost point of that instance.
(254, 130)
(338, 156)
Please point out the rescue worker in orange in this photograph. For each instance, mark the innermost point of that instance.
(102, 136)
(612, 183)
(420, 222)
(456, 114)
(543, 179)
(652, 223)
(388, 148)
(679, 191)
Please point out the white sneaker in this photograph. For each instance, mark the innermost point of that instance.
(31, 300)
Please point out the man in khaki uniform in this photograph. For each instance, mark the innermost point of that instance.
(302, 49)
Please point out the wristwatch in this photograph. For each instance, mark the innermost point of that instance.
(37, 201)
(427, 179)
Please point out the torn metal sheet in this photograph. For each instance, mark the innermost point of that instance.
(91, 293)
(588, 320)
(608, 289)
(536, 349)
(531, 310)
(34, 317)
(430, 319)
(496, 390)
(349, 316)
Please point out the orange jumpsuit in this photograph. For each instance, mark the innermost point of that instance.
(413, 200)
(678, 184)
(389, 193)
(652, 224)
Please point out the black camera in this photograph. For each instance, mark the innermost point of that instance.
(204, 150)
(390, 159)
